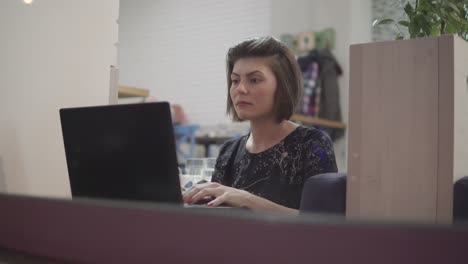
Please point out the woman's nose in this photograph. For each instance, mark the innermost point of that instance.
(242, 88)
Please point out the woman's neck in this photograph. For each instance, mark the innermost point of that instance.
(267, 133)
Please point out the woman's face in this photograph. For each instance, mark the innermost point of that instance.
(253, 87)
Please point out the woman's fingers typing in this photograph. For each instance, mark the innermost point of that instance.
(220, 194)
(219, 200)
(189, 195)
(207, 191)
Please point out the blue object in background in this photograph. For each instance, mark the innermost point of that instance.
(185, 133)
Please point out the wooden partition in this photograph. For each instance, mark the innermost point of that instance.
(408, 137)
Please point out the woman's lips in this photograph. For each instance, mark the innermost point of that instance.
(243, 104)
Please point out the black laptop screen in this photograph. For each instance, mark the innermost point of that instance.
(121, 152)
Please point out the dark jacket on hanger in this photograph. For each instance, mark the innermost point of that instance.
(330, 98)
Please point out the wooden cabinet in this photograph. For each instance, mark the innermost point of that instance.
(408, 128)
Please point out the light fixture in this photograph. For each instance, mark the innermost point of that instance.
(28, 2)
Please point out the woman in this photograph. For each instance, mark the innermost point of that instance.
(265, 169)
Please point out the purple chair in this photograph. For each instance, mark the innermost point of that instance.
(324, 193)
(460, 200)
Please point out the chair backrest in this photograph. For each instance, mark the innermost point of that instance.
(324, 193)
(460, 199)
(185, 134)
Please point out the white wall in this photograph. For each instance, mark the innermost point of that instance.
(177, 49)
(54, 54)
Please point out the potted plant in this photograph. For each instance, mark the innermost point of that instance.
(408, 116)
(431, 18)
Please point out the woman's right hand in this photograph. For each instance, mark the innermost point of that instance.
(221, 195)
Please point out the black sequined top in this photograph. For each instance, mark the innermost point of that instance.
(278, 173)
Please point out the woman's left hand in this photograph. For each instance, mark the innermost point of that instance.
(220, 193)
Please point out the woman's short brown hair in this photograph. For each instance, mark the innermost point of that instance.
(282, 63)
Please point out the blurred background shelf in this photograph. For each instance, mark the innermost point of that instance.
(318, 121)
(132, 95)
(128, 91)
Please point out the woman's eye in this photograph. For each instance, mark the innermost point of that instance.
(235, 82)
(254, 80)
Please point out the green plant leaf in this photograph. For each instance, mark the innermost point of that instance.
(399, 36)
(450, 29)
(426, 27)
(424, 24)
(442, 13)
(413, 30)
(424, 6)
(435, 29)
(432, 18)
(453, 6)
(454, 17)
(464, 22)
(404, 23)
(409, 10)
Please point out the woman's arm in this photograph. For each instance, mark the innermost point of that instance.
(233, 197)
(261, 204)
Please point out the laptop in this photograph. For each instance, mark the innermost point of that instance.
(124, 152)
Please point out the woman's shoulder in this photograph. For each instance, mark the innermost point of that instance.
(227, 151)
(315, 150)
(303, 135)
(231, 146)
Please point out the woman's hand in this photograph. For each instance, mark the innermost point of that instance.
(233, 197)
(220, 193)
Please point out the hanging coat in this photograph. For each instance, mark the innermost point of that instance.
(329, 71)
